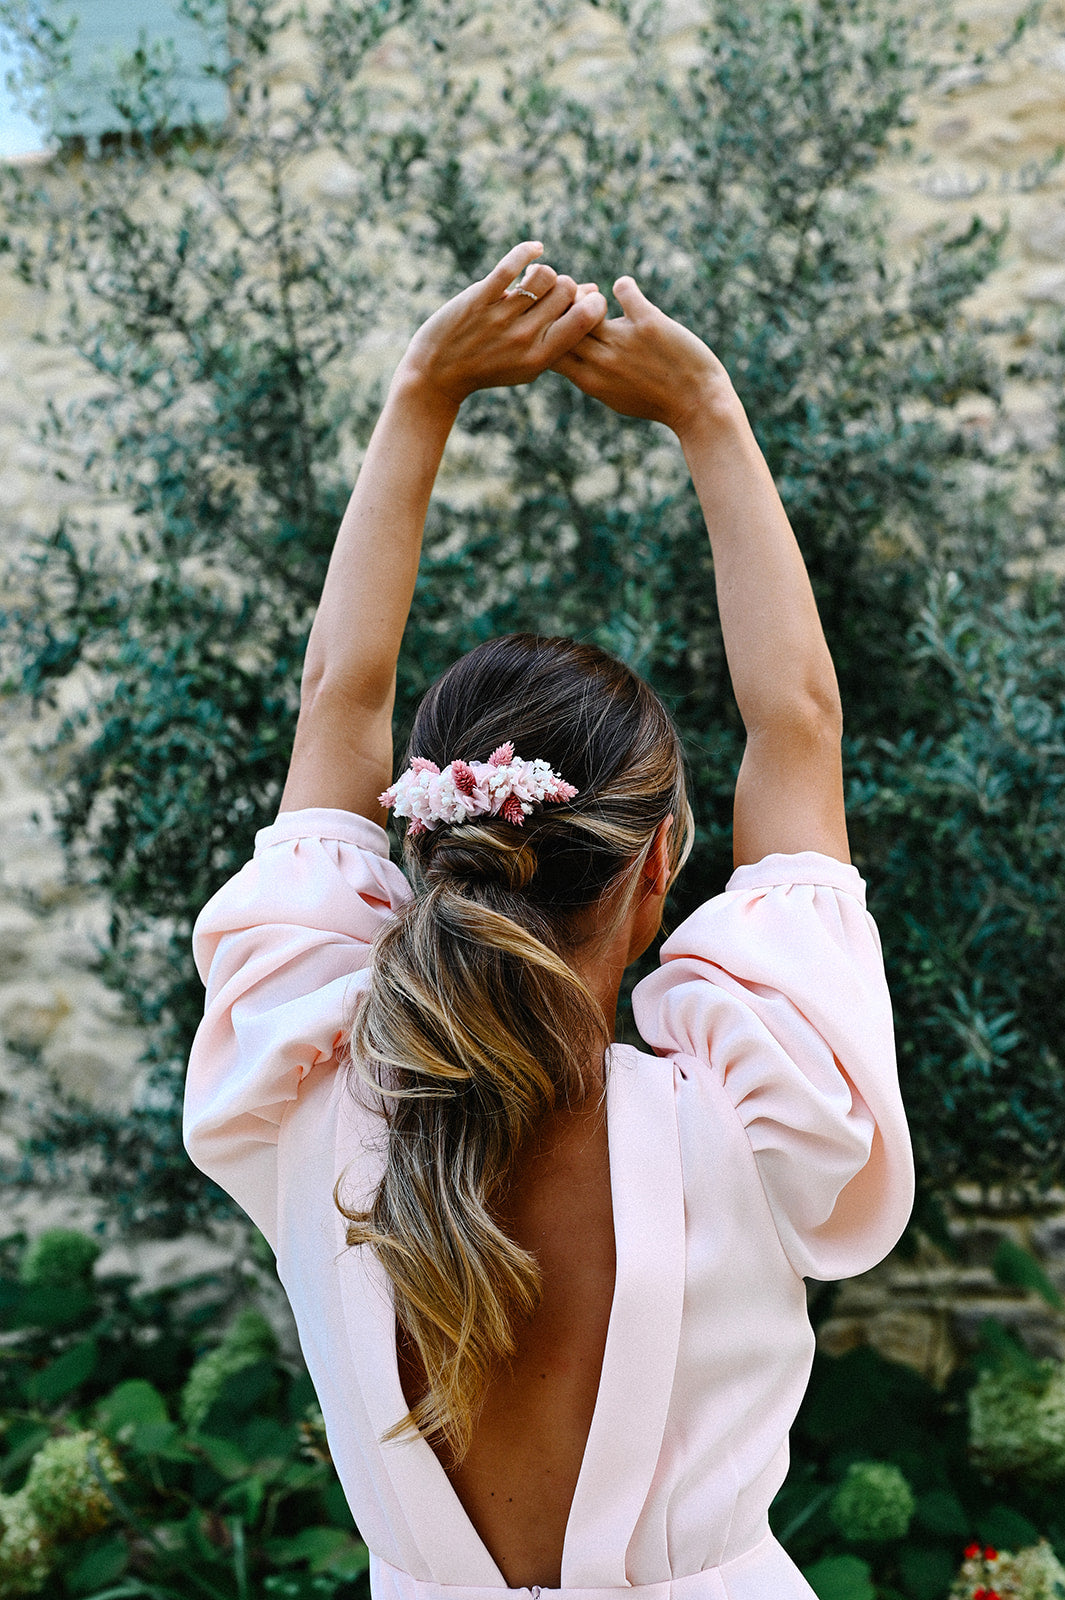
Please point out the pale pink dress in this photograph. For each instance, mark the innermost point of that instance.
(764, 1140)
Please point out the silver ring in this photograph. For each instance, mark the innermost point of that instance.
(527, 292)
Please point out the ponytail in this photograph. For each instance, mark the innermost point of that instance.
(475, 1026)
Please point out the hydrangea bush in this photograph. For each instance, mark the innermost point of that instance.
(66, 1486)
(1017, 1421)
(158, 1446)
(989, 1574)
(874, 1502)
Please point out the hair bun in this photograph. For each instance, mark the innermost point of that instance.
(476, 852)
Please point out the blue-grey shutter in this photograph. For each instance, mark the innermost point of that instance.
(81, 99)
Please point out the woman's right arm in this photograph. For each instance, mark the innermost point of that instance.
(789, 793)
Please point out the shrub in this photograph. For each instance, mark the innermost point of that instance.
(25, 1553)
(188, 1515)
(1017, 1421)
(1032, 1574)
(249, 1341)
(60, 1258)
(63, 1487)
(226, 316)
(873, 1502)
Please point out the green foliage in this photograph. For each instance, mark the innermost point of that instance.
(104, 1485)
(248, 1343)
(1017, 1420)
(1018, 1269)
(880, 1456)
(60, 1258)
(244, 1503)
(229, 319)
(840, 1578)
(967, 814)
(873, 1502)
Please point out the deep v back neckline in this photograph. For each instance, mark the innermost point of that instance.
(639, 1359)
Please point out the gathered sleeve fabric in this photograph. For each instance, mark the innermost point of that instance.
(280, 948)
(777, 987)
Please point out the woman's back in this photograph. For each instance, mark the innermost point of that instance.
(578, 1366)
(517, 1480)
(763, 1140)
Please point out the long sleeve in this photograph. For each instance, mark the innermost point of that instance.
(778, 987)
(280, 947)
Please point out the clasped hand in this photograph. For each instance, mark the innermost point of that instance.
(642, 364)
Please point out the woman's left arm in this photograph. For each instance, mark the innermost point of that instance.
(486, 337)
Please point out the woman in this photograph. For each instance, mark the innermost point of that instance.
(554, 1311)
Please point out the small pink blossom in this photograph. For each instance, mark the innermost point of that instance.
(464, 777)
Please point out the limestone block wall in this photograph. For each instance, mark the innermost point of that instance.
(927, 1311)
(983, 139)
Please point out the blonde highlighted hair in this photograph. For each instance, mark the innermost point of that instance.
(475, 1025)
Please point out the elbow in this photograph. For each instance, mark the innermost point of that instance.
(811, 717)
(826, 710)
(364, 692)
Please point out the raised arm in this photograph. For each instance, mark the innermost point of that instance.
(789, 793)
(485, 337)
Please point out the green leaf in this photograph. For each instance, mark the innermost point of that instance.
(347, 1563)
(841, 1578)
(316, 1546)
(927, 1572)
(43, 1305)
(130, 1405)
(227, 1458)
(101, 1563)
(1006, 1529)
(298, 1586)
(1018, 1269)
(63, 1375)
(941, 1511)
(23, 1440)
(135, 1414)
(336, 1504)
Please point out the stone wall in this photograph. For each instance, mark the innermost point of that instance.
(982, 140)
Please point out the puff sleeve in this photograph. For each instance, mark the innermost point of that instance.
(280, 948)
(778, 987)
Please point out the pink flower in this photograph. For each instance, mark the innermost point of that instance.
(463, 777)
(503, 756)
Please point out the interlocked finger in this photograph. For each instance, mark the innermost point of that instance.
(559, 297)
(537, 282)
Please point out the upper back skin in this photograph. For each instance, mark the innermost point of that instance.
(518, 1479)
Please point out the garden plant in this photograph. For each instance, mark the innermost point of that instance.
(158, 1445)
(232, 314)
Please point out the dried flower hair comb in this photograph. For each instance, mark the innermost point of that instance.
(503, 786)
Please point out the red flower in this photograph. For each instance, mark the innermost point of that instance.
(971, 1552)
(512, 812)
(979, 1594)
(990, 1554)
